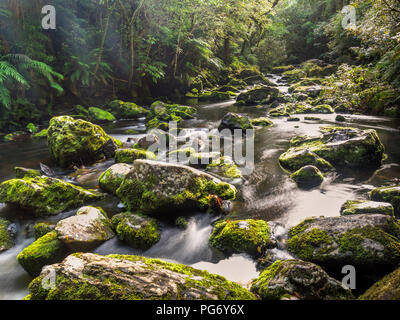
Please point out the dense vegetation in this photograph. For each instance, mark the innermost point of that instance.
(143, 50)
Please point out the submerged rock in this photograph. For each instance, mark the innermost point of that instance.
(298, 280)
(85, 231)
(94, 277)
(154, 186)
(363, 241)
(341, 147)
(45, 196)
(44, 251)
(388, 194)
(235, 121)
(111, 179)
(259, 95)
(387, 288)
(6, 236)
(241, 236)
(352, 207)
(76, 141)
(308, 177)
(138, 231)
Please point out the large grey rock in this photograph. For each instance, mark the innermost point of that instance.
(361, 240)
(85, 231)
(93, 277)
(259, 95)
(298, 280)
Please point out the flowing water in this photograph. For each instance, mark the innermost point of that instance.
(266, 194)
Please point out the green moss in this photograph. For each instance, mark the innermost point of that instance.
(21, 173)
(387, 288)
(262, 122)
(308, 176)
(248, 236)
(76, 141)
(99, 115)
(311, 245)
(224, 168)
(388, 194)
(46, 250)
(323, 108)
(6, 241)
(42, 228)
(136, 230)
(126, 110)
(130, 155)
(352, 207)
(138, 195)
(41, 135)
(44, 195)
(100, 287)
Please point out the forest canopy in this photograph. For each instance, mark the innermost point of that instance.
(148, 49)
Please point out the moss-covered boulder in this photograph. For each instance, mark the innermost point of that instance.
(238, 83)
(6, 236)
(138, 231)
(352, 207)
(322, 108)
(98, 115)
(258, 79)
(259, 95)
(308, 177)
(298, 280)
(21, 173)
(388, 194)
(241, 236)
(341, 147)
(42, 228)
(261, 122)
(224, 167)
(89, 228)
(86, 276)
(235, 121)
(76, 141)
(363, 241)
(248, 72)
(130, 155)
(44, 251)
(212, 96)
(294, 160)
(387, 288)
(45, 196)
(111, 179)
(126, 110)
(154, 186)
(41, 134)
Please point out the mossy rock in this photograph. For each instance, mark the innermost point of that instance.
(126, 110)
(159, 187)
(182, 155)
(387, 288)
(85, 231)
(248, 72)
(41, 134)
(119, 277)
(293, 160)
(340, 118)
(259, 95)
(45, 196)
(6, 238)
(224, 167)
(76, 141)
(136, 230)
(308, 177)
(281, 69)
(21, 173)
(259, 79)
(241, 236)
(182, 223)
(323, 108)
(130, 155)
(238, 83)
(352, 207)
(363, 241)
(42, 228)
(298, 280)
(111, 179)
(98, 115)
(212, 96)
(262, 122)
(388, 194)
(229, 88)
(341, 147)
(235, 121)
(44, 251)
